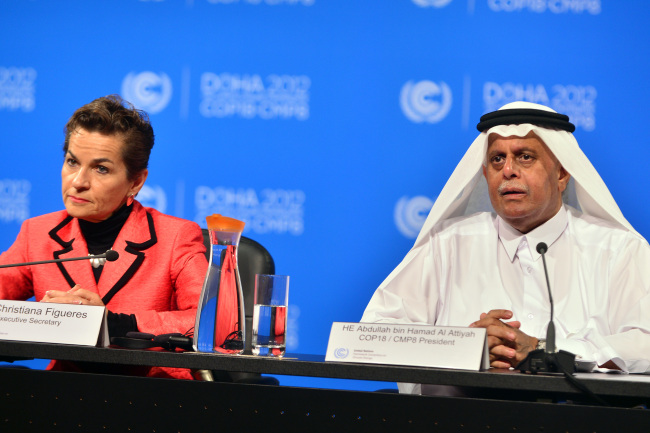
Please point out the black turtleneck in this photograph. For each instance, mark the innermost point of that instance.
(100, 237)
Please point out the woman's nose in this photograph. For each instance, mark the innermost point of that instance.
(80, 180)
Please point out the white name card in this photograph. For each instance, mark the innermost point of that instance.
(83, 325)
(418, 345)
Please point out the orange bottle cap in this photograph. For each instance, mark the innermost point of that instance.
(224, 224)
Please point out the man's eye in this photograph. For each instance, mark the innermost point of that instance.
(101, 169)
(497, 159)
(71, 161)
(526, 157)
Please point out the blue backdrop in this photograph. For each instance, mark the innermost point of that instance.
(329, 126)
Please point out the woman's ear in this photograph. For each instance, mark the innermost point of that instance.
(138, 182)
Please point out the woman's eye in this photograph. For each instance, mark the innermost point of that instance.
(101, 169)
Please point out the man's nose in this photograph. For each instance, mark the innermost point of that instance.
(510, 168)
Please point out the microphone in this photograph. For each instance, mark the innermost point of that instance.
(548, 360)
(109, 256)
(550, 329)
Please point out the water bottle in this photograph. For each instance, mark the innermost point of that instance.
(220, 318)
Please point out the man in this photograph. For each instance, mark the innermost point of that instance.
(483, 270)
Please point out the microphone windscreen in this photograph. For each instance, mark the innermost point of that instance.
(550, 337)
(111, 255)
(541, 248)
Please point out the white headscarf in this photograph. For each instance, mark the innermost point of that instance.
(466, 190)
(592, 195)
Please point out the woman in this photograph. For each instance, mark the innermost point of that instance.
(155, 284)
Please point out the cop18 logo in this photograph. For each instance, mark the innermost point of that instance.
(147, 90)
(425, 101)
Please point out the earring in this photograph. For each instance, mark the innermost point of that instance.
(129, 200)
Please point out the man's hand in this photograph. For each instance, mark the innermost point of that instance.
(76, 295)
(508, 346)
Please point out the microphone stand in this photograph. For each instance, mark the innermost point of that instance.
(548, 360)
(109, 255)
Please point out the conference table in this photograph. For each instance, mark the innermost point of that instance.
(493, 401)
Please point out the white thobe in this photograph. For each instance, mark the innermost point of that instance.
(599, 276)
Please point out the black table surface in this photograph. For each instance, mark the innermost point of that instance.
(622, 385)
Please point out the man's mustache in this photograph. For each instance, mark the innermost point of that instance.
(506, 187)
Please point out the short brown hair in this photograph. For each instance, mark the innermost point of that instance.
(112, 115)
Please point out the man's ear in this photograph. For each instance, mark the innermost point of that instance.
(563, 179)
(485, 172)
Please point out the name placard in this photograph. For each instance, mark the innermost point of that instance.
(53, 323)
(419, 345)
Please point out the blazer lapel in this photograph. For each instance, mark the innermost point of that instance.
(137, 235)
(68, 235)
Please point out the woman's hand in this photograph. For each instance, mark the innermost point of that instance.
(76, 295)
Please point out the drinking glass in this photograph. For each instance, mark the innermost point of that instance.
(270, 315)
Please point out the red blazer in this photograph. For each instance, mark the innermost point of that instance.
(158, 276)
